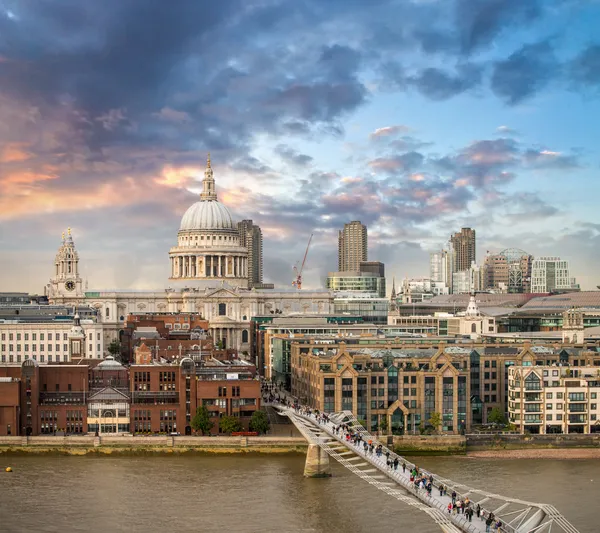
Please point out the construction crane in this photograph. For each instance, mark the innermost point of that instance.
(298, 273)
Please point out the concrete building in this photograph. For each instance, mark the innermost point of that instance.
(463, 247)
(415, 290)
(554, 399)
(352, 246)
(441, 267)
(551, 274)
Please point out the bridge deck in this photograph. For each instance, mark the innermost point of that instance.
(516, 515)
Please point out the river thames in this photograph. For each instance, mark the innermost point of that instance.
(259, 493)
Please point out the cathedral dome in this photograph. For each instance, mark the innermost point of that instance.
(206, 215)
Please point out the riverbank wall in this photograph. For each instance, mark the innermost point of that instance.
(492, 442)
(129, 445)
(430, 445)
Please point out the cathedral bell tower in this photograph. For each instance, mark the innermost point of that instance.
(66, 284)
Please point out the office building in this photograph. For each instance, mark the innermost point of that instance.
(352, 246)
(551, 274)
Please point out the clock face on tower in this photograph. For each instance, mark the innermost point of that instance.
(70, 285)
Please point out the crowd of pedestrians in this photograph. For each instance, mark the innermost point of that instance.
(421, 481)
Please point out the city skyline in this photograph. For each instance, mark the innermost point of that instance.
(468, 114)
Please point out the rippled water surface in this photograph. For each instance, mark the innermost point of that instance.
(256, 494)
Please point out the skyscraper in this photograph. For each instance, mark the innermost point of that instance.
(551, 274)
(463, 244)
(251, 238)
(352, 246)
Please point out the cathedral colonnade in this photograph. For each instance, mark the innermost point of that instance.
(207, 266)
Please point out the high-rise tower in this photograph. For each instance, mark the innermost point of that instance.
(251, 238)
(463, 245)
(352, 246)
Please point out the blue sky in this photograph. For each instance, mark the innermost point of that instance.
(415, 117)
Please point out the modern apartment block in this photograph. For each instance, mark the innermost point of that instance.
(463, 246)
(251, 239)
(352, 246)
(554, 399)
(551, 274)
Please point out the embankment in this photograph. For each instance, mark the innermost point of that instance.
(430, 444)
(128, 445)
(488, 445)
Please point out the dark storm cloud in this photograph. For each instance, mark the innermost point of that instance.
(525, 72)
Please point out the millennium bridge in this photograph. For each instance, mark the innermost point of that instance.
(517, 516)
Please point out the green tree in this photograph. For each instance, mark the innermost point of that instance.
(362, 422)
(114, 349)
(436, 421)
(259, 422)
(201, 421)
(229, 424)
(496, 416)
(383, 423)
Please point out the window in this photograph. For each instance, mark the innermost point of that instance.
(26, 336)
(107, 312)
(548, 396)
(222, 309)
(41, 336)
(64, 337)
(27, 347)
(49, 336)
(559, 395)
(18, 336)
(245, 335)
(593, 395)
(548, 417)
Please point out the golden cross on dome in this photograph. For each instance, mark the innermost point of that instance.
(69, 230)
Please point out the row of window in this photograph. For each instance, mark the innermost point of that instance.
(34, 347)
(235, 391)
(11, 358)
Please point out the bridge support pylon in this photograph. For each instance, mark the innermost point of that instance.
(317, 462)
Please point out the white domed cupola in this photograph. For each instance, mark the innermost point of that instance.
(208, 243)
(207, 214)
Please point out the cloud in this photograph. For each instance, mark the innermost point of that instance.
(525, 72)
(388, 131)
(506, 130)
(439, 84)
(547, 159)
(585, 68)
(481, 21)
(292, 156)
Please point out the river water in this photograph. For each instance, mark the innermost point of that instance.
(239, 493)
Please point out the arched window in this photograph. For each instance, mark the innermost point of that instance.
(473, 328)
(245, 335)
(107, 312)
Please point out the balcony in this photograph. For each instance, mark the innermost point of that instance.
(57, 398)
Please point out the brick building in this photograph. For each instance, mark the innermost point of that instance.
(109, 398)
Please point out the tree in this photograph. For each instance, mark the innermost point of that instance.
(259, 422)
(114, 349)
(496, 416)
(383, 424)
(436, 421)
(230, 424)
(201, 421)
(362, 422)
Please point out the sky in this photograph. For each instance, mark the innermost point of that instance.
(416, 117)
